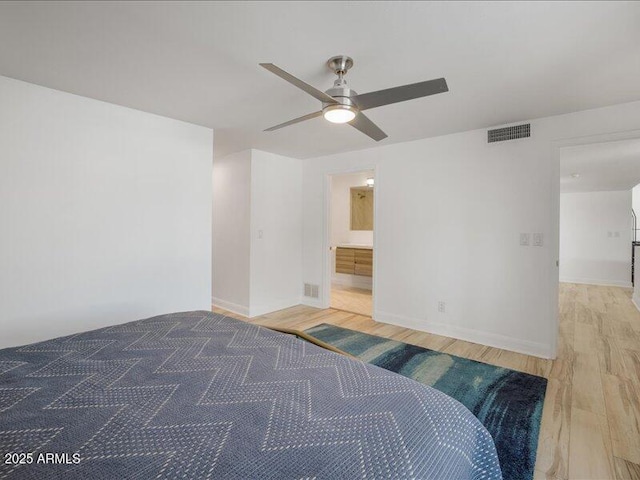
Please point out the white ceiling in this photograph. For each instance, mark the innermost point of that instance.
(198, 62)
(608, 166)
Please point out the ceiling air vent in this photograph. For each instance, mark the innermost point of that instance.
(509, 133)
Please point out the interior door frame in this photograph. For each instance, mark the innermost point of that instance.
(557, 146)
(326, 228)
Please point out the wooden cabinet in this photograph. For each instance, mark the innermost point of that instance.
(345, 260)
(364, 262)
(354, 261)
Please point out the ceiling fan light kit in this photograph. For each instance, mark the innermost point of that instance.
(339, 113)
(340, 104)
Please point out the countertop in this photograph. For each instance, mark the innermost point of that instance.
(355, 245)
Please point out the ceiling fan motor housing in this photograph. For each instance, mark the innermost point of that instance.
(340, 91)
(341, 94)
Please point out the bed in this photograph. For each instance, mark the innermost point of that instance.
(200, 395)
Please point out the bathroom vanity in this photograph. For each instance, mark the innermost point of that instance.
(355, 260)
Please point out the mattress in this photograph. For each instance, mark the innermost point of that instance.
(200, 395)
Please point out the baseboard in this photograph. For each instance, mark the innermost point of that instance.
(600, 283)
(312, 302)
(232, 307)
(469, 335)
(273, 307)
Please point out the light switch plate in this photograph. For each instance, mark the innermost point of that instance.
(524, 239)
(538, 239)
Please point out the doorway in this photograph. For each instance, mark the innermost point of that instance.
(597, 231)
(351, 227)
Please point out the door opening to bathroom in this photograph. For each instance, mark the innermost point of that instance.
(351, 241)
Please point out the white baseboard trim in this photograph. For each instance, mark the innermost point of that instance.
(273, 307)
(469, 335)
(312, 302)
(232, 307)
(591, 281)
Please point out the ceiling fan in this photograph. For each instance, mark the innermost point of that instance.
(340, 104)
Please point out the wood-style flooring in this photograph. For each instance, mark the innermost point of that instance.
(591, 418)
(355, 300)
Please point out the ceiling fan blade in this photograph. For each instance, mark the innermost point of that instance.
(295, 120)
(314, 92)
(366, 126)
(400, 94)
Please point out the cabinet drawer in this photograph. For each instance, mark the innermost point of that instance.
(364, 262)
(364, 256)
(364, 270)
(345, 260)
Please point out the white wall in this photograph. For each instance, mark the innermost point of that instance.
(231, 231)
(105, 214)
(340, 227)
(635, 193)
(595, 238)
(257, 223)
(449, 215)
(636, 281)
(276, 232)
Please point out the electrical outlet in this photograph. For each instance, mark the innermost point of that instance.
(442, 307)
(524, 239)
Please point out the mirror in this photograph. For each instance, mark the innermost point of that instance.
(361, 208)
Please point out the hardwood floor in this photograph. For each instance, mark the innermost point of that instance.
(591, 418)
(355, 300)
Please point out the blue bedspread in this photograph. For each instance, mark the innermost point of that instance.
(198, 395)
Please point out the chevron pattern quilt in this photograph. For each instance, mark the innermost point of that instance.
(198, 395)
